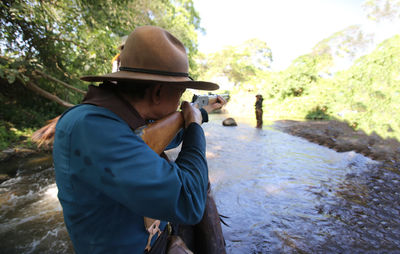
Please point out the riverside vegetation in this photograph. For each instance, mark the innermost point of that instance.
(45, 46)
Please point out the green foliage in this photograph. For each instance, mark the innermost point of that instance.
(318, 113)
(71, 38)
(299, 77)
(367, 95)
(10, 136)
(67, 39)
(372, 86)
(22, 111)
(379, 10)
(6, 137)
(359, 107)
(347, 43)
(238, 63)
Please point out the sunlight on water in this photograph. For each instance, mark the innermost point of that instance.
(51, 193)
(282, 194)
(31, 216)
(285, 194)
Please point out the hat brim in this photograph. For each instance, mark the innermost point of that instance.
(152, 78)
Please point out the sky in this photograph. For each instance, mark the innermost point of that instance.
(290, 27)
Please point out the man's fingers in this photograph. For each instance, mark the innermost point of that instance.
(221, 100)
(218, 105)
(184, 104)
(190, 113)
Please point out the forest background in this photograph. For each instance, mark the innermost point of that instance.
(47, 45)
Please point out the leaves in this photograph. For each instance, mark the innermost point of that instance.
(71, 38)
(67, 39)
(238, 63)
(380, 10)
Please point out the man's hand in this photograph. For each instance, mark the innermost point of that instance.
(191, 114)
(217, 105)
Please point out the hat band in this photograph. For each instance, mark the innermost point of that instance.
(158, 72)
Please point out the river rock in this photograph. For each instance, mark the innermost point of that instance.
(12, 153)
(229, 122)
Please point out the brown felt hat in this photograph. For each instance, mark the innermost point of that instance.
(153, 55)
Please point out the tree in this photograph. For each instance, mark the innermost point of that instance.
(371, 89)
(346, 44)
(45, 43)
(238, 63)
(380, 10)
(299, 76)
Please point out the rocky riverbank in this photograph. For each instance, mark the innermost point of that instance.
(342, 138)
(13, 159)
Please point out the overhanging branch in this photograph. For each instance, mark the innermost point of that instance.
(32, 86)
(60, 82)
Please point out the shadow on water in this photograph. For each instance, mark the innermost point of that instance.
(282, 193)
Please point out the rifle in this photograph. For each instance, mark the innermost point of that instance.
(159, 134)
(203, 100)
(156, 135)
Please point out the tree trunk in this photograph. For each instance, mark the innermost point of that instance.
(46, 94)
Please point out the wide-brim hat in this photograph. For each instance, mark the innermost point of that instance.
(153, 55)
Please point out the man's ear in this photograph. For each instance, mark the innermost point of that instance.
(156, 94)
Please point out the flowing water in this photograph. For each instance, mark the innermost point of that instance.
(282, 194)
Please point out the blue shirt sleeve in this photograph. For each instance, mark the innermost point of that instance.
(176, 141)
(108, 156)
(179, 137)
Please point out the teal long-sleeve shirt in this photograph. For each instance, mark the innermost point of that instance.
(108, 179)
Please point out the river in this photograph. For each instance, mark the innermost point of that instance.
(282, 194)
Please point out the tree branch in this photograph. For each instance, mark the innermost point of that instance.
(60, 82)
(69, 41)
(30, 85)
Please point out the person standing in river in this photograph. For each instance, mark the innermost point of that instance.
(259, 111)
(116, 61)
(109, 180)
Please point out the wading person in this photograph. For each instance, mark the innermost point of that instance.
(111, 184)
(116, 61)
(259, 111)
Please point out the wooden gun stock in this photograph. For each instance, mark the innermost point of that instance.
(156, 135)
(159, 134)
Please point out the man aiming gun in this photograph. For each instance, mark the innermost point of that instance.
(110, 181)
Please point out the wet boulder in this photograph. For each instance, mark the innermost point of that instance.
(229, 122)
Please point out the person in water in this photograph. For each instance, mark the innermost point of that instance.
(116, 61)
(109, 180)
(259, 110)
